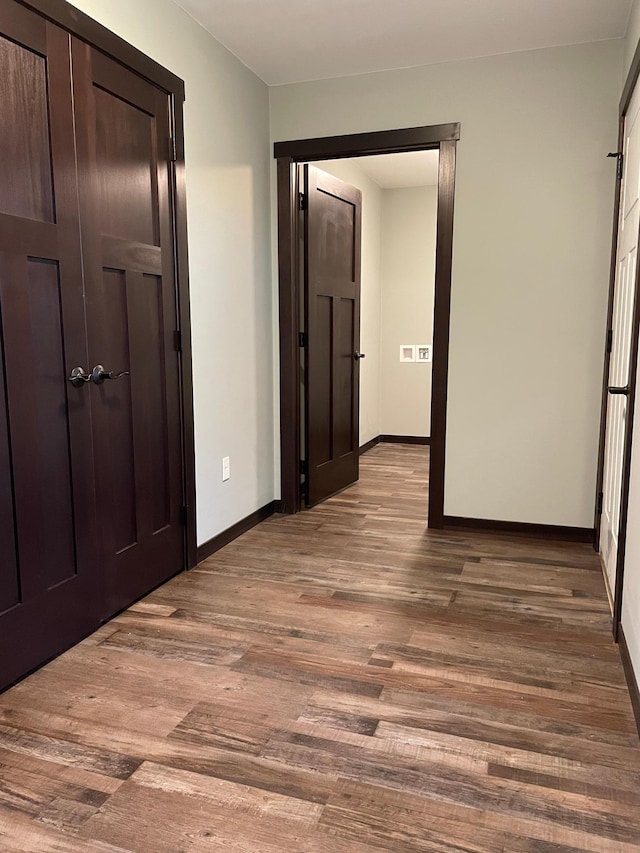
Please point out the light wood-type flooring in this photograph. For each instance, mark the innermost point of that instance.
(342, 681)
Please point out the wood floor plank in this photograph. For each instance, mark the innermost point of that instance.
(340, 681)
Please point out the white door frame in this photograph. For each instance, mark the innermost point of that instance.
(625, 103)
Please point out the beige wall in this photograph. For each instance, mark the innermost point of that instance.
(408, 269)
(371, 283)
(227, 159)
(532, 240)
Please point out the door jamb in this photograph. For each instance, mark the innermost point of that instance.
(82, 26)
(625, 101)
(443, 137)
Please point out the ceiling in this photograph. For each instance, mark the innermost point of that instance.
(286, 41)
(398, 171)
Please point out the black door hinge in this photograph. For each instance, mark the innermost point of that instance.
(177, 340)
(302, 339)
(302, 201)
(610, 341)
(600, 502)
(620, 158)
(173, 149)
(184, 515)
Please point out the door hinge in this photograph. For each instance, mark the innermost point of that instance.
(609, 341)
(184, 515)
(302, 201)
(173, 149)
(302, 339)
(303, 468)
(600, 502)
(177, 340)
(620, 158)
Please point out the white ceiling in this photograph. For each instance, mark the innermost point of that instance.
(285, 41)
(397, 171)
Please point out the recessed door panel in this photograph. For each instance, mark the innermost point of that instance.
(152, 346)
(33, 332)
(26, 186)
(321, 402)
(345, 377)
(336, 236)
(332, 319)
(9, 576)
(125, 160)
(115, 409)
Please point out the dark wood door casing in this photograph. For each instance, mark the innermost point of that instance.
(289, 154)
(333, 224)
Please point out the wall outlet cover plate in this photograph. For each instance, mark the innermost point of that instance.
(407, 352)
(424, 353)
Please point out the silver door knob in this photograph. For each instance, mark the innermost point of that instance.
(99, 374)
(78, 377)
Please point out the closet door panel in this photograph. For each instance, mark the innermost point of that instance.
(123, 149)
(50, 587)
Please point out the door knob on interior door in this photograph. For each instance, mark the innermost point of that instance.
(624, 389)
(359, 355)
(78, 377)
(99, 374)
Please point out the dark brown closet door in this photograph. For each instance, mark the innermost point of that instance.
(332, 300)
(49, 588)
(123, 130)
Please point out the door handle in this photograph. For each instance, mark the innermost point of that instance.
(99, 374)
(623, 390)
(78, 377)
(359, 355)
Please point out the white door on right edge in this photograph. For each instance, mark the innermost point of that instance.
(623, 306)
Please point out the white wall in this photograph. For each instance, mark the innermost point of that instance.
(227, 166)
(532, 239)
(408, 284)
(371, 283)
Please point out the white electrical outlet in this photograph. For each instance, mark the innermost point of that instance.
(226, 469)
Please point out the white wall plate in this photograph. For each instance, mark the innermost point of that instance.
(407, 352)
(424, 353)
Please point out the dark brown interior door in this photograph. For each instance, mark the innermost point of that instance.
(125, 204)
(49, 585)
(332, 312)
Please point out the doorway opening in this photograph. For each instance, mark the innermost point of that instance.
(377, 385)
(334, 322)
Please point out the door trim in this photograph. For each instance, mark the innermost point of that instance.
(81, 26)
(625, 101)
(288, 154)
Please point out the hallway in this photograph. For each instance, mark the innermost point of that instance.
(343, 681)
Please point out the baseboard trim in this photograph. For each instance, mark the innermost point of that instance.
(212, 545)
(632, 681)
(369, 444)
(548, 531)
(405, 439)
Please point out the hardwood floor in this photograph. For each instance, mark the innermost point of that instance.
(341, 681)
